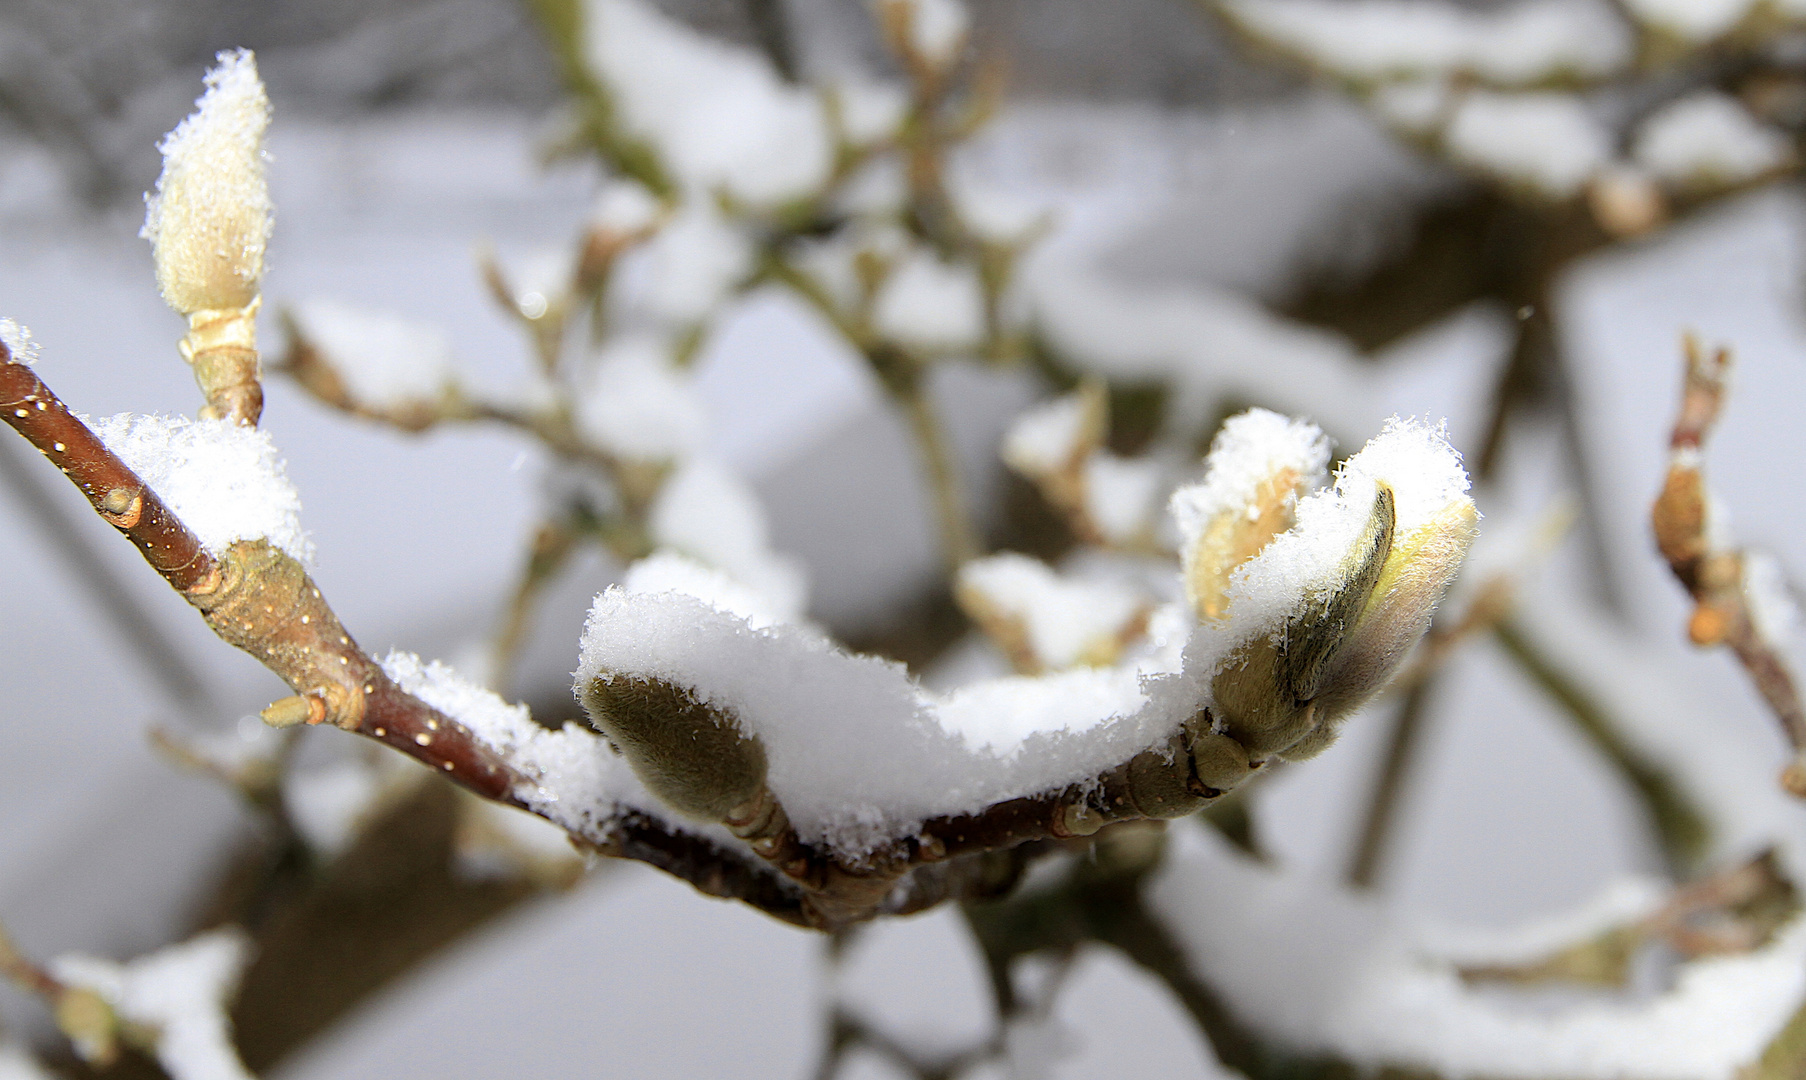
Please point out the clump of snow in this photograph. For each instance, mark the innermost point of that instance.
(1065, 621)
(638, 405)
(624, 206)
(718, 115)
(17, 1063)
(707, 512)
(931, 304)
(1415, 106)
(211, 216)
(1707, 138)
(1251, 449)
(869, 111)
(182, 992)
(858, 752)
(668, 571)
(1121, 495)
(385, 361)
(222, 479)
(1322, 969)
(1692, 21)
(1526, 42)
(1051, 436)
(574, 779)
(937, 28)
(691, 264)
(330, 805)
(1548, 142)
(20, 347)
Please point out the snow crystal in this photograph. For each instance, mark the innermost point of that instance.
(1708, 138)
(638, 405)
(1526, 42)
(182, 992)
(19, 344)
(1064, 619)
(386, 362)
(858, 752)
(707, 512)
(717, 113)
(1047, 438)
(222, 479)
(1547, 142)
(1120, 495)
(692, 263)
(1693, 21)
(210, 217)
(931, 304)
(1326, 970)
(329, 805)
(1251, 448)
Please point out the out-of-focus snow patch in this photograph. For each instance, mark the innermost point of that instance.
(718, 115)
(707, 512)
(688, 267)
(1122, 495)
(329, 805)
(1692, 21)
(931, 304)
(17, 1063)
(1514, 45)
(638, 405)
(385, 361)
(1548, 142)
(1062, 622)
(1708, 140)
(1322, 969)
(671, 572)
(182, 992)
(222, 479)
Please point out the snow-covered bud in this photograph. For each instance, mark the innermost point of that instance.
(1319, 620)
(208, 224)
(1260, 464)
(691, 755)
(1045, 622)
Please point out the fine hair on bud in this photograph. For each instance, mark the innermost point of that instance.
(693, 757)
(210, 218)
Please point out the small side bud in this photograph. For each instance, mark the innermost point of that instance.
(687, 752)
(208, 223)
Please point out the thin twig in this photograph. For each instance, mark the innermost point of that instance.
(1715, 577)
(1382, 807)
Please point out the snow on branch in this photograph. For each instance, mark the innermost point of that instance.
(180, 994)
(1528, 42)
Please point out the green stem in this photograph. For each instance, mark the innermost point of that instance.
(1382, 810)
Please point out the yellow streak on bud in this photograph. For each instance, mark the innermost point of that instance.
(1235, 536)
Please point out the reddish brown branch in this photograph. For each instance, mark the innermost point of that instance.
(1713, 576)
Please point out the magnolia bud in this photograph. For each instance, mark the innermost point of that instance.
(210, 217)
(208, 223)
(691, 755)
(1314, 624)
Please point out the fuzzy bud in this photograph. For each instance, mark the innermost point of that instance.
(209, 220)
(691, 755)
